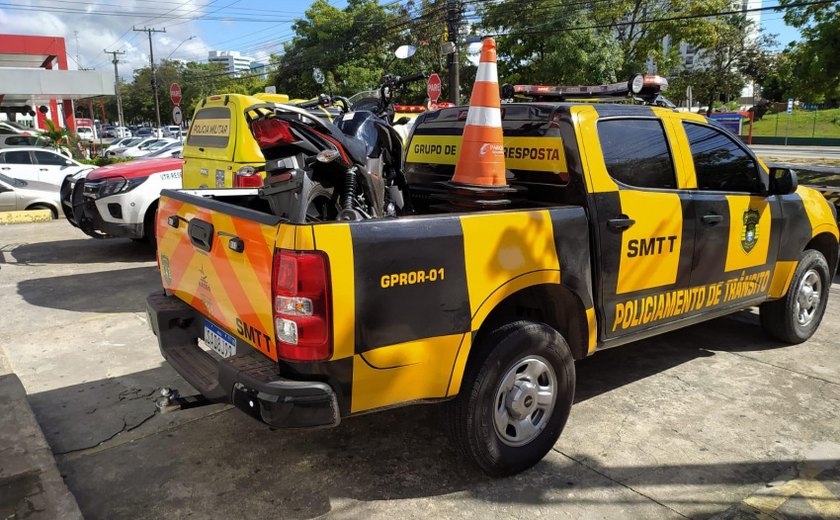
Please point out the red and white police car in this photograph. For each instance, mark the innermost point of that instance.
(120, 200)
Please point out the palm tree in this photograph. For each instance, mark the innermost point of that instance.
(58, 137)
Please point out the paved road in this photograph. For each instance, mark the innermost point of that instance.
(711, 420)
(806, 152)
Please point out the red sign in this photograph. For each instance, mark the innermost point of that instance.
(433, 88)
(175, 94)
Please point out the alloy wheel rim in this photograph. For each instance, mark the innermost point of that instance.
(808, 296)
(524, 401)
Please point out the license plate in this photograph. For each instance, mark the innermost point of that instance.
(220, 341)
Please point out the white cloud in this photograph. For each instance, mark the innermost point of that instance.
(97, 32)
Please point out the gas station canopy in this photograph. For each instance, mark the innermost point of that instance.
(36, 86)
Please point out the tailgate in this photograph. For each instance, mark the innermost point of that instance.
(218, 258)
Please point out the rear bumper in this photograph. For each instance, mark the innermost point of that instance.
(248, 381)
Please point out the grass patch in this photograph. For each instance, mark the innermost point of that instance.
(801, 124)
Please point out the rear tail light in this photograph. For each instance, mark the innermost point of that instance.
(247, 177)
(302, 301)
(271, 131)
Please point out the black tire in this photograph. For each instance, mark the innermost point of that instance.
(472, 414)
(53, 210)
(780, 318)
(320, 204)
(149, 227)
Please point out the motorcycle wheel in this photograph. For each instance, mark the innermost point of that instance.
(321, 206)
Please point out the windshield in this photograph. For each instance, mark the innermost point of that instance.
(12, 182)
(158, 145)
(131, 142)
(147, 144)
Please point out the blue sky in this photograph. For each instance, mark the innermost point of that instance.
(255, 27)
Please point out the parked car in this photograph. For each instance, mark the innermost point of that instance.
(85, 133)
(173, 131)
(145, 131)
(134, 142)
(109, 131)
(17, 194)
(38, 164)
(122, 131)
(173, 149)
(119, 200)
(18, 140)
(147, 145)
(9, 128)
(119, 142)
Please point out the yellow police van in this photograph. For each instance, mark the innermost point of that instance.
(622, 222)
(219, 151)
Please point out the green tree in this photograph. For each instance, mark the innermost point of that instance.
(816, 60)
(640, 27)
(542, 42)
(350, 45)
(722, 68)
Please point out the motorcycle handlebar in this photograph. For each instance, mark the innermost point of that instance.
(417, 76)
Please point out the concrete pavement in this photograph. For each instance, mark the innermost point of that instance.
(693, 424)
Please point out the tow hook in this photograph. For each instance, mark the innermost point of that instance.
(170, 400)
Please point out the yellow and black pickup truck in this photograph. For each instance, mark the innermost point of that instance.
(626, 222)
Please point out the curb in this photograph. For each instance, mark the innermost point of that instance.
(25, 217)
(30, 483)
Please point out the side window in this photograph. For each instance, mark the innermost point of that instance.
(719, 162)
(636, 152)
(18, 157)
(20, 140)
(49, 159)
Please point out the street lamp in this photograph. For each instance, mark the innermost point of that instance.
(179, 46)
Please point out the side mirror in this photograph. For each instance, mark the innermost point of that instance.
(783, 181)
(404, 52)
(402, 121)
(68, 162)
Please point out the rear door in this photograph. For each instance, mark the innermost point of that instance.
(218, 258)
(644, 236)
(19, 164)
(738, 224)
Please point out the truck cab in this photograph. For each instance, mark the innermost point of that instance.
(622, 222)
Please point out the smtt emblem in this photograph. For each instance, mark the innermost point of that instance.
(749, 234)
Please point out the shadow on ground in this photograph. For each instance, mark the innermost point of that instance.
(228, 465)
(80, 251)
(119, 290)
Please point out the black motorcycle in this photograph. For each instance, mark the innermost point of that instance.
(322, 171)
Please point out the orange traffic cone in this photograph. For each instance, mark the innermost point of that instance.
(481, 157)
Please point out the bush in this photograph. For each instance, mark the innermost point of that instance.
(104, 161)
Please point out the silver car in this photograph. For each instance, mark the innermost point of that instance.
(16, 194)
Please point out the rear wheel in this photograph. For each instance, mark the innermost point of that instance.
(320, 205)
(795, 317)
(515, 398)
(53, 210)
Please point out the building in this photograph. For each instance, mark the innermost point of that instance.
(692, 57)
(232, 61)
(35, 82)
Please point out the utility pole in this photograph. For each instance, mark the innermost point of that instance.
(453, 25)
(115, 61)
(149, 31)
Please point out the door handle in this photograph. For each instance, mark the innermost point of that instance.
(712, 219)
(620, 224)
(5, 168)
(42, 169)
